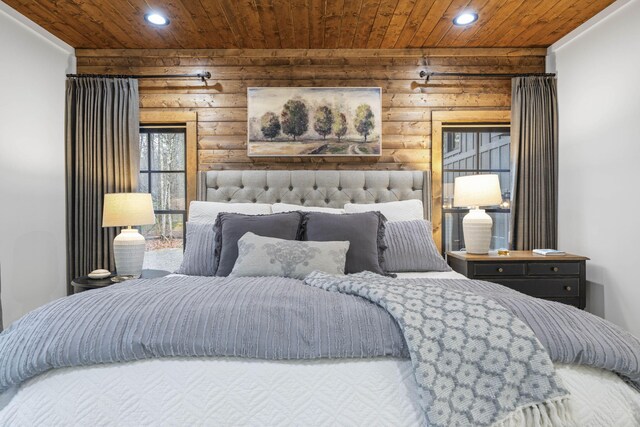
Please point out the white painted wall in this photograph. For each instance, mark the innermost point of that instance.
(32, 164)
(598, 70)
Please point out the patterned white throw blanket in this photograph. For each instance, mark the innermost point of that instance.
(475, 363)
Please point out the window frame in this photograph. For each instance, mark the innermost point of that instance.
(149, 172)
(455, 118)
(172, 121)
(477, 130)
(189, 120)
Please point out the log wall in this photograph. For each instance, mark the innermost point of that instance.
(221, 103)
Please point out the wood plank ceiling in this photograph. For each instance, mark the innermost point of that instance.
(308, 24)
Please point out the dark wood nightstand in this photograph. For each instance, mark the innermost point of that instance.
(84, 283)
(557, 278)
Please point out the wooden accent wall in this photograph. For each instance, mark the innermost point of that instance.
(407, 101)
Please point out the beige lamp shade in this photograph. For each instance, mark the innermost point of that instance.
(477, 190)
(127, 209)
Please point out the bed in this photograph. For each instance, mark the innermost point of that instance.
(227, 390)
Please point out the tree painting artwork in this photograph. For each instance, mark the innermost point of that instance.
(270, 125)
(292, 122)
(295, 118)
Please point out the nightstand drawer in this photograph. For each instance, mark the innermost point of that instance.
(554, 268)
(557, 288)
(499, 269)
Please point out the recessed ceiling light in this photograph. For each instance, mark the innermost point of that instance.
(156, 19)
(465, 18)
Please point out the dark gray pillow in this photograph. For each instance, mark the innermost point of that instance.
(364, 231)
(199, 254)
(410, 247)
(230, 227)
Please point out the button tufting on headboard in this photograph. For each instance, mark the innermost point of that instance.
(315, 188)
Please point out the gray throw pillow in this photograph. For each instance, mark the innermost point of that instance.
(268, 256)
(199, 257)
(364, 231)
(410, 247)
(231, 227)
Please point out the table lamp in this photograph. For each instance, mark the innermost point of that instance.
(474, 191)
(127, 210)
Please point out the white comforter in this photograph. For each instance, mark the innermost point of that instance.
(228, 391)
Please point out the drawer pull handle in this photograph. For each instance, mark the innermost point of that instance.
(568, 288)
(554, 269)
(500, 270)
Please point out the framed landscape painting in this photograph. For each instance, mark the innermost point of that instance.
(332, 121)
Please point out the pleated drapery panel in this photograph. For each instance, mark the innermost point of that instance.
(102, 156)
(534, 154)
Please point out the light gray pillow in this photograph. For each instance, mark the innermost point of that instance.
(199, 254)
(268, 256)
(410, 247)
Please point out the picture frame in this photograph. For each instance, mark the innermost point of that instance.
(314, 121)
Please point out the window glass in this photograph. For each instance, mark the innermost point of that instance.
(164, 242)
(480, 150)
(162, 173)
(144, 152)
(168, 191)
(167, 151)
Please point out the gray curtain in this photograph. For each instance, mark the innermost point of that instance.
(102, 156)
(534, 151)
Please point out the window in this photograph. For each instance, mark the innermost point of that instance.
(470, 151)
(163, 174)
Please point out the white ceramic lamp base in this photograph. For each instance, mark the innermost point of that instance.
(128, 250)
(477, 231)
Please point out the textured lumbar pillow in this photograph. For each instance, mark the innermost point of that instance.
(268, 256)
(410, 247)
(199, 258)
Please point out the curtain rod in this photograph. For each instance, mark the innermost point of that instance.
(424, 74)
(202, 76)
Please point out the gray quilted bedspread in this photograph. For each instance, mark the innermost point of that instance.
(267, 318)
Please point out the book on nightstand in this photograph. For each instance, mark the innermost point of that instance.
(548, 252)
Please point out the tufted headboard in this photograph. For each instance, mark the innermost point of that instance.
(315, 188)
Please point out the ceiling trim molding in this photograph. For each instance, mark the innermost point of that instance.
(25, 22)
(587, 26)
(318, 53)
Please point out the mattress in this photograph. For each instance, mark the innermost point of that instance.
(227, 391)
(232, 391)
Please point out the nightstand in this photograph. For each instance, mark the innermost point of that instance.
(556, 278)
(84, 283)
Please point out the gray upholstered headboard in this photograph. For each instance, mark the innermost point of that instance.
(315, 188)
